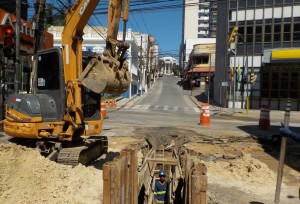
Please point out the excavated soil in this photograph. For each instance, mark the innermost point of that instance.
(240, 169)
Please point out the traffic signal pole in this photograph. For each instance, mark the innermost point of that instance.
(233, 39)
(17, 62)
(234, 75)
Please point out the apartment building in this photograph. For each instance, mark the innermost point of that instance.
(199, 21)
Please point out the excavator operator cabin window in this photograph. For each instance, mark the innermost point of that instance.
(48, 71)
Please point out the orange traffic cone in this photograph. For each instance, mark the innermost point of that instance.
(103, 109)
(205, 115)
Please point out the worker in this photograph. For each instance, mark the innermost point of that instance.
(161, 187)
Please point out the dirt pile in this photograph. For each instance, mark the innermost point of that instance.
(246, 173)
(27, 177)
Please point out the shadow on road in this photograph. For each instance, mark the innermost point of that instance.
(270, 141)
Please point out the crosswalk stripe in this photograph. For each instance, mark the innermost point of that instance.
(136, 107)
(127, 107)
(165, 108)
(197, 110)
(145, 107)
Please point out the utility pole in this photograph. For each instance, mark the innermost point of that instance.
(17, 62)
(39, 25)
(233, 41)
(147, 64)
(141, 73)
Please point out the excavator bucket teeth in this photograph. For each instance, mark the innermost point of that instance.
(105, 74)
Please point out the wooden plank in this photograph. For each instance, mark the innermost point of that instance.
(171, 161)
(195, 193)
(112, 183)
(117, 180)
(134, 174)
(106, 183)
(126, 153)
(201, 168)
(123, 164)
(203, 188)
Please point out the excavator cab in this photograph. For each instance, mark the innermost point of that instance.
(49, 80)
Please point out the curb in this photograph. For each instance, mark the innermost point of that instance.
(193, 98)
(119, 98)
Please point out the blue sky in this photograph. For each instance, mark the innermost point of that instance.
(161, 18)
(164, 26)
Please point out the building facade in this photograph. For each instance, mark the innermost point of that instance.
(199, 21)
(167, 65)
(268, 45)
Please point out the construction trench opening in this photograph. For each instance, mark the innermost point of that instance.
(130, 177)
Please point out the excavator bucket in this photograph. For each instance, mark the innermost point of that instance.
(105, 74)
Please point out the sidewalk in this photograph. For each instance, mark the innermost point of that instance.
(122, 102)
(200, 97)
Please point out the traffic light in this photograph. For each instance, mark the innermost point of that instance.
(233, 34)
(252, 78)
(8, 41)
(206, 79)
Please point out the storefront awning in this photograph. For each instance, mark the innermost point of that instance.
(286, 54)
(202, 69)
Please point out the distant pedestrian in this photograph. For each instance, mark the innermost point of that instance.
(161, 187)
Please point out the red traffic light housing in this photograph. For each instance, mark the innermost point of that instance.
(8, 30)
(8, 41)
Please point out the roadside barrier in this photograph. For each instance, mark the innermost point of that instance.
(205, 115)
(103, 109)
(264, 119)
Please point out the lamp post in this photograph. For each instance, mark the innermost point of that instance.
(245, 69)
(192, 81)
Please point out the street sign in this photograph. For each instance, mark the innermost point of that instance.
(225, 83)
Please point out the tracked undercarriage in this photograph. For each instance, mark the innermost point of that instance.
(80, 152)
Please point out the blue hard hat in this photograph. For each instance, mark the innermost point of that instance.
(162, 172)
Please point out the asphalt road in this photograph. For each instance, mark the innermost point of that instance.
(168, 104)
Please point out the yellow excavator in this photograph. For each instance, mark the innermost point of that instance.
(63, 111)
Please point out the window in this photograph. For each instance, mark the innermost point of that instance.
(48, 71)
(287, 32)
(267, 33)
(258, 33)
(296, 32)
(249, 34)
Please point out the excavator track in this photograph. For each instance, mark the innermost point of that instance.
(91, 150)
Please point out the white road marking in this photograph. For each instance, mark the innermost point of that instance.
(197, 110)
(166, 108)
(145, 107)
(136, 107)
